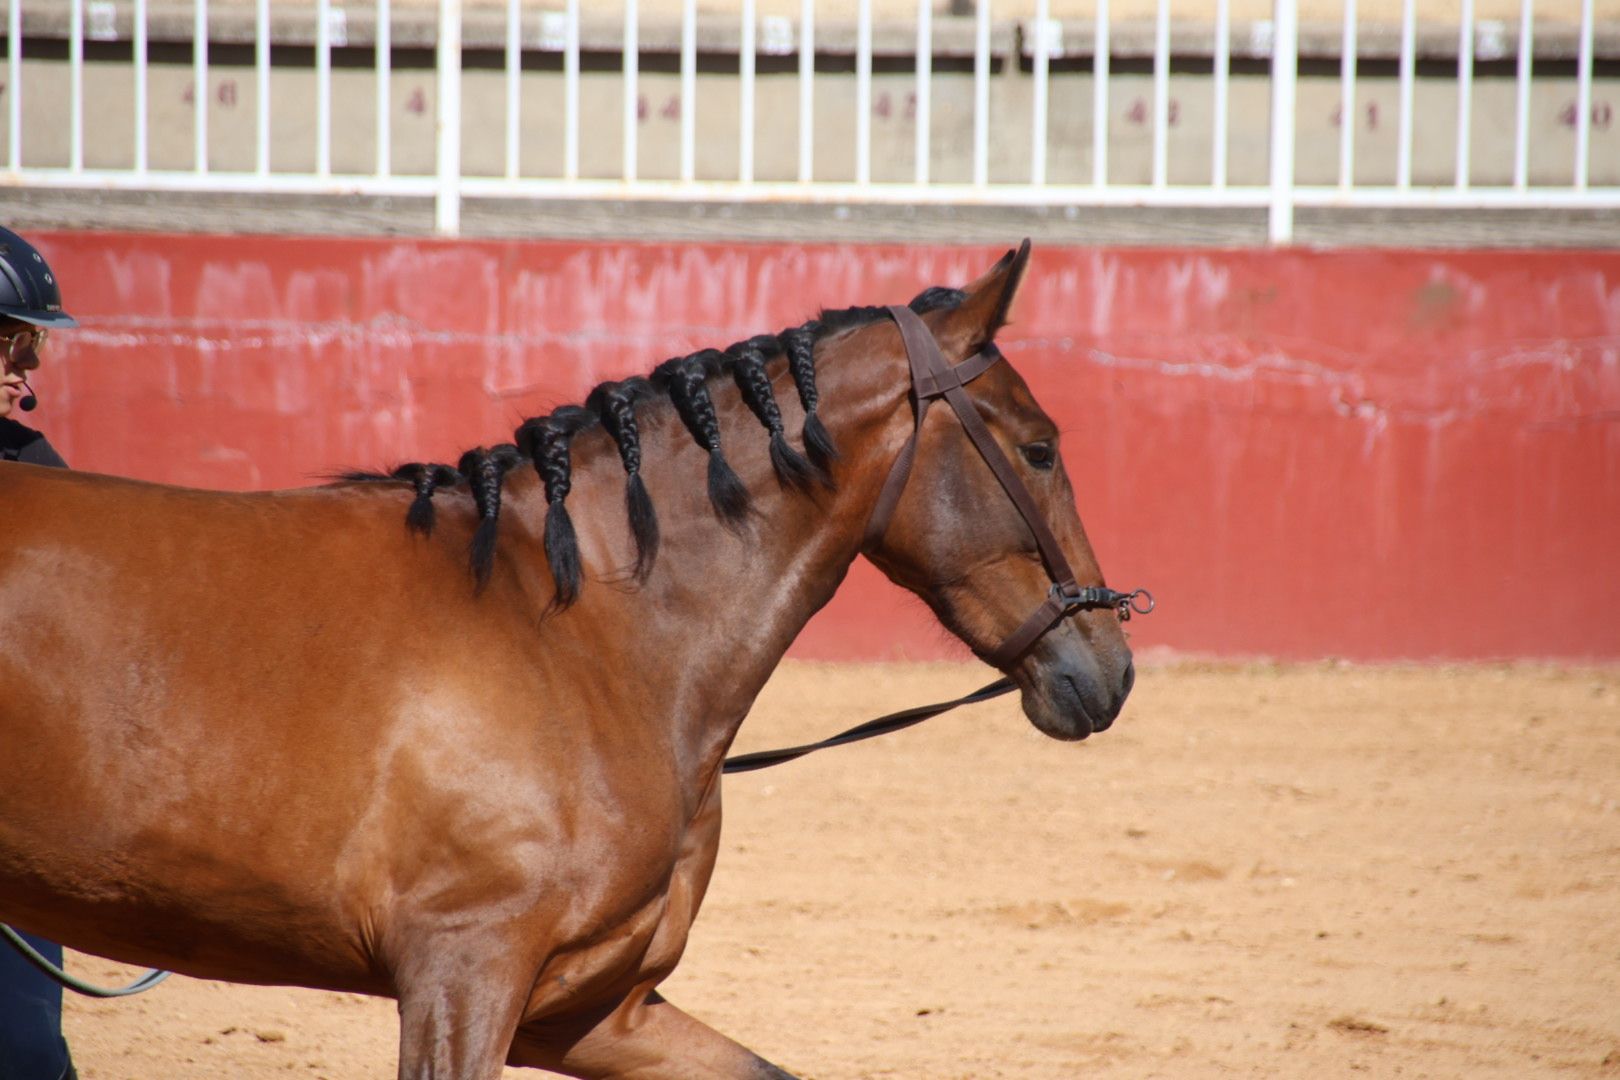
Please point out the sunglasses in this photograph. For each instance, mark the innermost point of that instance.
(23, 346)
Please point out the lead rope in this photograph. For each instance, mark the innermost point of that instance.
(1140, 601)
(79, 986)
(905, 718)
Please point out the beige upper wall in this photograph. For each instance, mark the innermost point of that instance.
(1369, 11)
(1428, 11)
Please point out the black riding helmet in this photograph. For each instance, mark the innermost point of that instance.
(28, 289)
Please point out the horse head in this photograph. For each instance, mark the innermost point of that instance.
(966, 503)
(972, 547)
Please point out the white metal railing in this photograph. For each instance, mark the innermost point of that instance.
(1279, 193)
(1284, 74)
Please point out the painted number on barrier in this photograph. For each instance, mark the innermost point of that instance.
(1602, 115)
(1141, 113)
(225, 93)
(1369, 114)
(669, 110)
(884, 107)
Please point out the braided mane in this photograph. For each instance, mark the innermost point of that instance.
(544, 442)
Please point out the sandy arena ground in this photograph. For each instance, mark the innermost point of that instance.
(1261, 871)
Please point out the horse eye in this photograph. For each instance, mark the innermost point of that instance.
(1038, 455)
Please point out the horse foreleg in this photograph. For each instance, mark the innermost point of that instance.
(457, 1015)
(646, 1038)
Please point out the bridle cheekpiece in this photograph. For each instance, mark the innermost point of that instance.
(931, 379)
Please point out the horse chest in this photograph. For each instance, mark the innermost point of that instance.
(641, 943)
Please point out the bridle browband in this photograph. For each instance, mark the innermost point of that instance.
(933, 378)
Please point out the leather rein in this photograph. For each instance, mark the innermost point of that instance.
(932, 379)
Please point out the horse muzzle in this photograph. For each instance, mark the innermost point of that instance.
(1068, 693)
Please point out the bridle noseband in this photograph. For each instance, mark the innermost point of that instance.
(933, 378)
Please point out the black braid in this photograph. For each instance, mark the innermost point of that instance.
(544, 440)
(615, 403)
(800, 344)
(485, 468)
(748, 369)
(686, 377)
(425, 479)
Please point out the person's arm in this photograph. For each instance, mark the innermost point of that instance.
(19, 443)
(41, 452)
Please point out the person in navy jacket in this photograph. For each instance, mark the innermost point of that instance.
(31, 1043)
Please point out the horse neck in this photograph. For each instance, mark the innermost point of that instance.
(722, 605)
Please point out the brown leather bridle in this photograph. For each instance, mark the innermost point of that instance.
(932, 378)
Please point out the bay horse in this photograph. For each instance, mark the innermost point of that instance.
(454, 734)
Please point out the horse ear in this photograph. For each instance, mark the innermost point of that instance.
(973, 323)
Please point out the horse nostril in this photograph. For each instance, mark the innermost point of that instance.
(1128, 682)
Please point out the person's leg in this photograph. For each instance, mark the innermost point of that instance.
(31, 1043)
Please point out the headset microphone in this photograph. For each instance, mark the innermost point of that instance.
(29, 401)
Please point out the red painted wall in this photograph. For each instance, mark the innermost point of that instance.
(1360, 454)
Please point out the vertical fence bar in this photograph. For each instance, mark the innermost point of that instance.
(630, 65)
(1403, 145)
(981, 93)
(1041, 64)
(261, 87)
(199, 85)
(807, 90)
(1583, 99)
(571, 94)
(514, 77)
(1465, 91)
(1161, 93)
(1521, 130)
(1284, 74)
(76, 85)
(1099, 98)
(1223, 91)
(689, 90)
(1349, 115)
(385, 94)
(140, 83)
(863, 92)
(447, 198)
(14, 85)
(925, 75)
(323, 87)
(745, 107)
